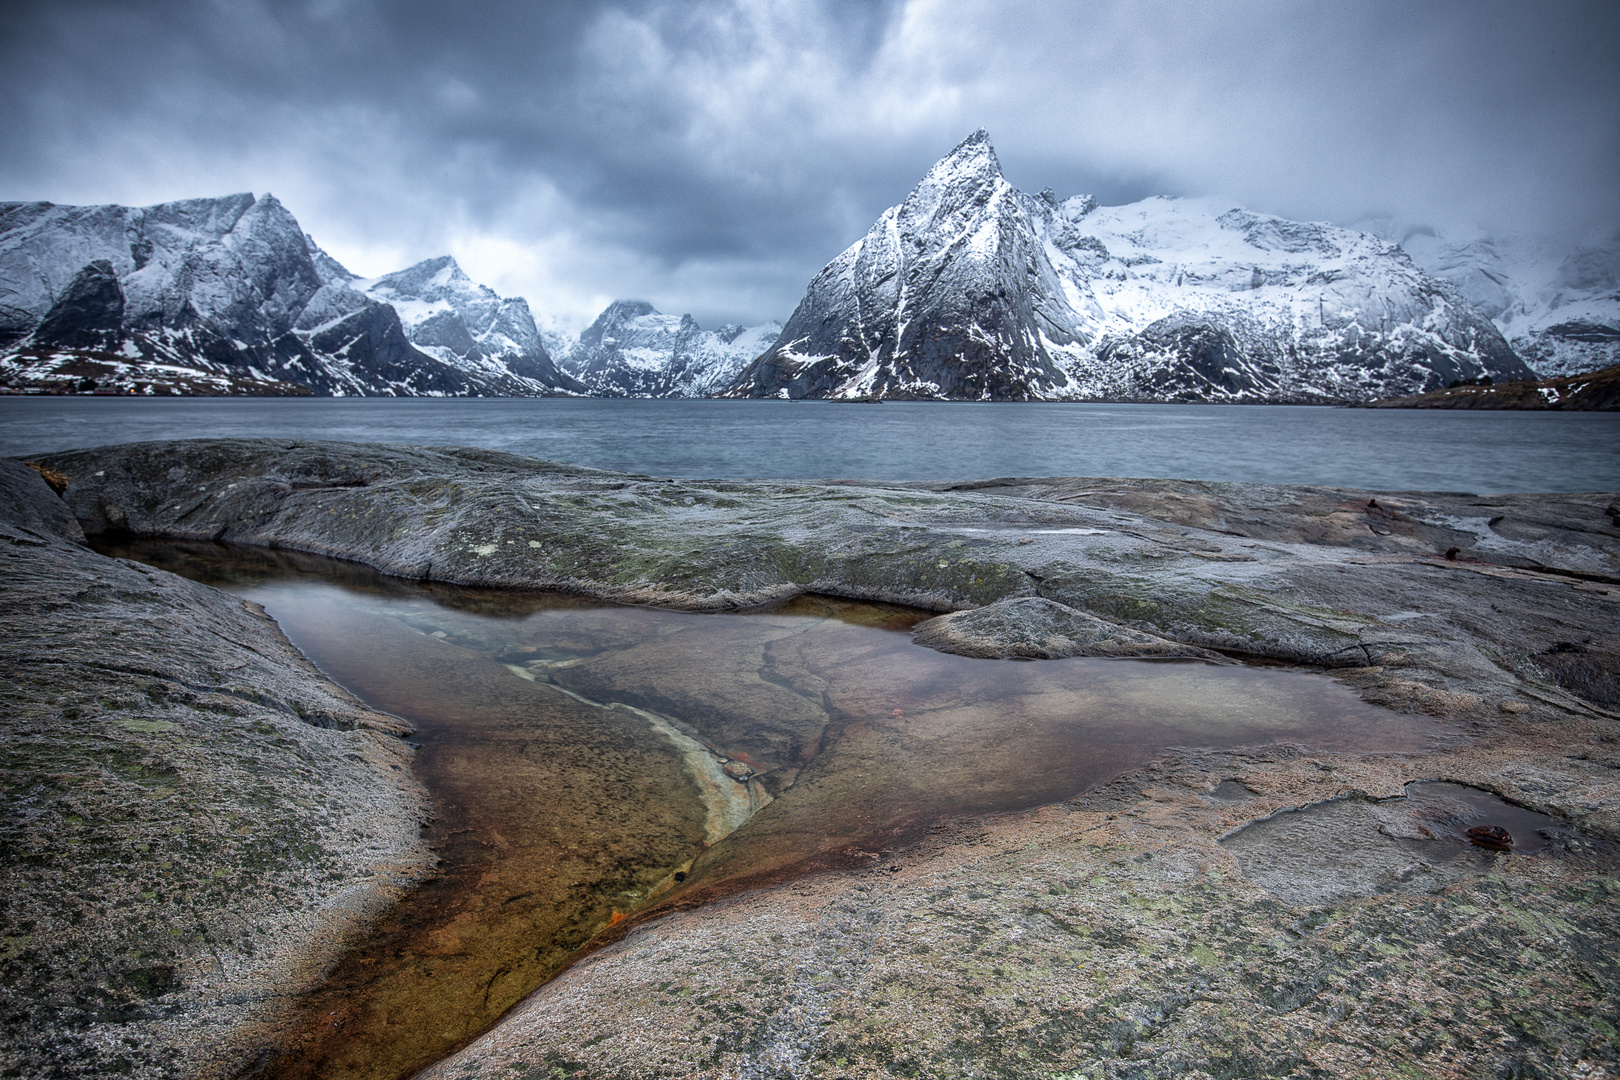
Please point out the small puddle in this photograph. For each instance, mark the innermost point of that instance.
(589, 762)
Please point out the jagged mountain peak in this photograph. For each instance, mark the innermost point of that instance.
(621, 311)
(964, 184)
(438, 277)
(973, 156)
(634, 350)
(329, 269)
(971, 289)
(230, 295)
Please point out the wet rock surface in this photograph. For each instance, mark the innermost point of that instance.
(1138, 929)
(1321, 576)
(1034, 628)
(1115, 938)
(196, 822)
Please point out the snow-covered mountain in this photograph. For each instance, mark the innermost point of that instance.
(972, 289)
(1558, 308)
(633, 350)
(220, 295)
(461, 323)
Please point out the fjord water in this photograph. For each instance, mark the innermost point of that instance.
(1384, 449)
(590, 762)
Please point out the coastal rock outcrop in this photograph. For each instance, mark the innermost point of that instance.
(1593, 391)
(1324, 576)
(1156, 917)
(196, 821)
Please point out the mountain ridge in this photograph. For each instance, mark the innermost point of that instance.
(634, 350)
(971, 289)
(213, 295)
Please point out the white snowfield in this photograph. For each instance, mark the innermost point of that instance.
(971, 288)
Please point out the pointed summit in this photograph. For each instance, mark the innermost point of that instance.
(972, 162)
(973, 290)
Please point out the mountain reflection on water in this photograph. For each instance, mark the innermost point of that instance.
(588, 761)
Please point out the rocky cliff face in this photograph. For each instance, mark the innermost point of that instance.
(972, 289)
(466, 325)
(208, 295)
(1558, 308)
(634, 350)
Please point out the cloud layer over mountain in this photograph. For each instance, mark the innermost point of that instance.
(711, 156)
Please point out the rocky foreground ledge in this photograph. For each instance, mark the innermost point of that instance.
(195, 820)
(1184, 920)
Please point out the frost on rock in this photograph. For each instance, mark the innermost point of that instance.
(973, 290)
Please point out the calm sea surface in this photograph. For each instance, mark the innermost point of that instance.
(1483, 452)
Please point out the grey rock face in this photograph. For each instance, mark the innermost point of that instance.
(30, 509)
(1039, 629)
(634, 350)
(466, 325)
(228, 289)
(1558, 308)
(971, 289)
(1315, 575)
(90, 314)
(196, 822)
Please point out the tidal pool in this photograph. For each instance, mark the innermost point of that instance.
(589, 762)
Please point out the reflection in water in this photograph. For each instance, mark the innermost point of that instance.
(588, 760)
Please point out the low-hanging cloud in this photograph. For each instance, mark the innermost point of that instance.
(710, 156)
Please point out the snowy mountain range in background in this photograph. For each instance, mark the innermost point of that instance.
(969, 289)
(972, 289)
(633, 350)
(1558, 308)
(458, 322)
(207, 296)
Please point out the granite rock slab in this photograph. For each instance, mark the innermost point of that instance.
(196, 822)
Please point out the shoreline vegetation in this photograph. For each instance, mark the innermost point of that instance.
(202, 821)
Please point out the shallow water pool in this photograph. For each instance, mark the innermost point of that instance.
(590, 761)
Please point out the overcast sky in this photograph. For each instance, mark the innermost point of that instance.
(711, 156)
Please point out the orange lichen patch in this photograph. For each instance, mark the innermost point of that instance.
(618, 917)
(57, 481)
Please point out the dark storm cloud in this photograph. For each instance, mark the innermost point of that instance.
(710, 156)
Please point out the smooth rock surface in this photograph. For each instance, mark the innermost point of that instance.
(1117, 937)
(1125, 932)
(1038, 629)
(1324, 576)
(196, 822)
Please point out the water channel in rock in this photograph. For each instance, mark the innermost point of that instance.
(590, 761)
